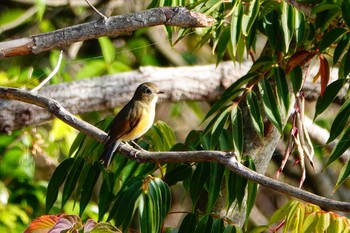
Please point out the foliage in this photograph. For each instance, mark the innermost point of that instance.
(132, 195)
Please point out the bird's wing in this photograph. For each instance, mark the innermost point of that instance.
(123, 122)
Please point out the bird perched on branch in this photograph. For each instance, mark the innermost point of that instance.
(133, 120)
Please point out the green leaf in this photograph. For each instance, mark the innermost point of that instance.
(340, 148)
(287, 21)
(88, 187)
(340, 121)
(230, 178)
(91, 69)
(296, 77)
(214, 184)
(232, 229)
(105, 195)
(146, 215)
(249, 16)
(230, 93)
(71, 180)
(179, 173)
(188, 224)
(339, 50)
(125, 204)
(282, 89)
(57, 179)
(237, 129)
(205, 224)
(217, 129)
(198, 179)
(343, 175)
(218, 226)
(345, 7)
(300, 28)
(271, 26)
(255, 113)
(331, 38)
(270, 104)
(108, 49)
(324, 6)
(329, 95)
(236, 26)
(222, 45)
(347, 67)
(252, 190)
(40, 6)
(241, 184)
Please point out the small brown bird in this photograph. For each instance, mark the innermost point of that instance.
(133, 120)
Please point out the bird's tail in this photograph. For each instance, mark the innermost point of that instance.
(107, 154)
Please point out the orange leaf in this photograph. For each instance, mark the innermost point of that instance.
(43, 224)
(299, 58)
(324, 72)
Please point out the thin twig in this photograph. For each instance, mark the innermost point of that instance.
(225, 158)
(53, 73)
(97, 11)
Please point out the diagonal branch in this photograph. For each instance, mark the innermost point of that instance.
(225, 158)
(112, 26)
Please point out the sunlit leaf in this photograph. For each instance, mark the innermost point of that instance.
(282, 89)
(339, 50)
(236, 25)
(237, 129)
(270, 104)
(249, 16)
(108, 49)
(43, 223)
(340, 121)
(217, 128)
(287, 21)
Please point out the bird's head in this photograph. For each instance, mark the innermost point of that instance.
(147, 92)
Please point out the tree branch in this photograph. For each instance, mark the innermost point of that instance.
(225, 158)
(112, 26)
(203, 83)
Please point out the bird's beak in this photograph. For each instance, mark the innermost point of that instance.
(160, 92)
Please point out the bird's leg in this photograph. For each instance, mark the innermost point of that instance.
(137, 146)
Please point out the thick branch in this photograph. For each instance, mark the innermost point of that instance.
(225, 158)
(172, 16)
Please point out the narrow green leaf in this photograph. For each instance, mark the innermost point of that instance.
(108, 49)
(241, 184)
(287, 26)
(252, 190)
(57, 179)
(222, 44)
(340, 148)
(230, 178)
(218, 226)
(198, 179)
(339, 50)
(249, 16)
(300, 28)
(331, 38)
(214, 185)
(237, 129)
(232, 229)
(236, 26)
(270, 104)
(146, 215)
(71, 180)
(296, 77)
(347, 67)
(231, 92)
(179, 173)
(255, 113)
(329, 95)
(340, 121)
(345, 7)
(105, 195)
(324, 6)
(88, 187)
(188, 224)
(282, 89)
(271, 26)
(217, 128)
(205, 224)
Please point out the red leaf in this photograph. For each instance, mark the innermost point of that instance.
(324, 72)
(43, 224)
(299, 58)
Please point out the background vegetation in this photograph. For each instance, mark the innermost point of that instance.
(53, 169)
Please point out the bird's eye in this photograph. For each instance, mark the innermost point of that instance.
(148, 91)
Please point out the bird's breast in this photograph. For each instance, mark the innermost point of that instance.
(142, 126)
